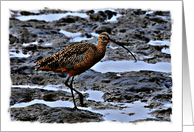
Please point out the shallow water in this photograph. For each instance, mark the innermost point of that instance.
(166, 50)
(123, 115)
(58, 103)
(95, 95)
(51, 17)
(57, 16)
(129, 112)
(19, 54)
(47, 87)
(132, 112)
(36, 43)
(76, 37)
(70, 34)
(127, 66)
(159, 42)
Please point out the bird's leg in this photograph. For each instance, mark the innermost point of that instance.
(80, 94)
(70, 86)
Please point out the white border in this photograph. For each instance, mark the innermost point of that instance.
(176, 51)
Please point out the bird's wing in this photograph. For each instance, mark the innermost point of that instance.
(66, 58)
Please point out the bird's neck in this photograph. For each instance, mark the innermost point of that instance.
(101, 48)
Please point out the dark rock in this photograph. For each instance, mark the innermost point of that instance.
(41, 41)
(130, 114)
(98, 17)
(27, 13)
(21, 95)
(49, 96)
(22, 70)
(35, 20)
(141, 37)
(139, 12)
(30, 47)
(110, 13)
(158, 19)
(71, 19)
(161, 114)
(162, 13)
(26, 25)
(163, 97)
(26, 36)
(36, 112)
(106, 80)
(85, 27)
(67, 19)
(17, 60)
(88, 35)
(13, 39)
(37, 80)
(143, 120)
(89, 12)
(153, 104)
(103, 28)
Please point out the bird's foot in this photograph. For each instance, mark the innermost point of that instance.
(75, 108)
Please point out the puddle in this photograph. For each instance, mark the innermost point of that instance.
(76, 37)
(47, 87)
(48, 44)
(112, 46)
(129, 111)
(36, 43)
(79, 39)
(167, 105)
(95, 35)
(132, 112)
(159, 43)
(70, 34)
(127, 66)
(27, 44)
(166, 50)
(94, 95)
(149, 12)
(19, 54)
(58, 103)
(51, 17)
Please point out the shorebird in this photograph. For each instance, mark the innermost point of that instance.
(76, 59)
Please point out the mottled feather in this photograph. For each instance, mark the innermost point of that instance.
(67, 57)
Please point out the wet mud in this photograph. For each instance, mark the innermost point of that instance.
(125, 95)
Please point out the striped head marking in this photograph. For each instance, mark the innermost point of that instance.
(104, 38)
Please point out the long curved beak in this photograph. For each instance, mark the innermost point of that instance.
(122, 45)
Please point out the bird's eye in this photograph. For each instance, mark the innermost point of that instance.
(103, 38)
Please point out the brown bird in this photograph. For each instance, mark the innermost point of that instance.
(76, 59)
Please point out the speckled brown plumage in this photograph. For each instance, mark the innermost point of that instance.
(76, 59)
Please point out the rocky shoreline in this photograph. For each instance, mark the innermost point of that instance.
(32, 40)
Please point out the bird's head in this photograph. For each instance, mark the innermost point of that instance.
(104, 39)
